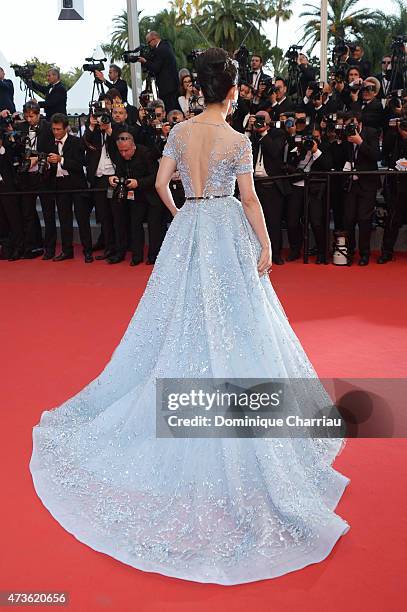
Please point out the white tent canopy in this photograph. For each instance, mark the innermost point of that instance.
(80, 94)
(19, 95)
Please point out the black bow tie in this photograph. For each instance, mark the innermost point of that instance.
(57, 142)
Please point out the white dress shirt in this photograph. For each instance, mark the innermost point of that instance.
(60, 169)
(306, 164)
(105, 166)
(260, 169)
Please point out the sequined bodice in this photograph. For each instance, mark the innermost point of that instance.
(209, 157)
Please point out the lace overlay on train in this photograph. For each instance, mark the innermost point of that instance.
(227, 511)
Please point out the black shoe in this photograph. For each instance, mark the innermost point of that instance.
(293, 255)
(105, 255)
(320, 259)
(364, 260)
(278, 260)
(63, 256)
(33, 254)
(384, 258)
(135, 261)
(88, 257)
(48, 256)
(114, 259)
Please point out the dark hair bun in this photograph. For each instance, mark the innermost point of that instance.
(216, 74)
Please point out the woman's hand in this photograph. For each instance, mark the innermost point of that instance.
(264, 263)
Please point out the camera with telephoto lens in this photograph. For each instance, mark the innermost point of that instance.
(120, 190)
(350, 129)
(270, 86)
(196, 104)
(317, 88)
(25, 163)
(131, 56)
(356, 85)
(369, 88)
(305, 142)
(25, 72)
(99, 111)
(94, 64)
(259, 122)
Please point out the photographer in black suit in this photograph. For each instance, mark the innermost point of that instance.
(10, 210)
(54, 92)
(256, 73)
(163, 64)
(116, 81)
(100, 165)
(268, 148)
(360, 152)
(366, 102)
(39, 136)
(67, 159)
(137, 167)
(6, 93)
(394, 151)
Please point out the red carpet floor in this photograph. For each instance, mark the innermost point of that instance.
(59, 325)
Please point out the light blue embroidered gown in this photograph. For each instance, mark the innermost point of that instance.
(218, 510)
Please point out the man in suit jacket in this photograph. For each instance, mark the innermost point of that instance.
(268, 149)
(361, 152)
(10, 210)
(6, 93)
(38, 133)
(279, 103)
(115, 76)
(136, 164)
(163, 64)
(67, 159)
(55, 94)
(368, 105)
(256, 73)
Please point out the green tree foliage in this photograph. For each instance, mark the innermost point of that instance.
(68, 78)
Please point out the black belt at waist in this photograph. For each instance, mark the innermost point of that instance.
(210, 197)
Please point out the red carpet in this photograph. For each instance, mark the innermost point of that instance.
(59, 325)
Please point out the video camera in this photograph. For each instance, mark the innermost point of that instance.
(98, 110)
(292, 52)
(25, 72)
(342, 47)
(132, 55)
(95, 64)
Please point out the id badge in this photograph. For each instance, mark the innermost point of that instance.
(130, 195)
(109, 193)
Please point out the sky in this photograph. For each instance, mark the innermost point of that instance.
(67, 43)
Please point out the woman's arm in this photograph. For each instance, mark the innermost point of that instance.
(254, 213)
(165, 171)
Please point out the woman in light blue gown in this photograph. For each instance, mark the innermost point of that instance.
(220, 510)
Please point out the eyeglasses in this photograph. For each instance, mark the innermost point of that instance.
(124, 138)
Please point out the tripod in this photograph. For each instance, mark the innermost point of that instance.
(97, 87)
(398, 78)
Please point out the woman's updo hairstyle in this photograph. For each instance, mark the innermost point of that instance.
(216, 73)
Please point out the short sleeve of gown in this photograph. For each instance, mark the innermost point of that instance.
(170, 148)
(244, 161)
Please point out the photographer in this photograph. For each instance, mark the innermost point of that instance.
(395, 154)
(186, 92)
(152, 120)
(356, 58)
(162, 63)
(384, 78)
(312, 156)
(244, 108)
(256, 73)
(6, 93)
(360, 152)
(9, 205)
(137, 171)
(100, 165)
(364, 100)
(39, 138)
(55, 94)
(113, 98)
(307, 75)
(268, 147)
(116, 82)
(278, 99)
(67, 159)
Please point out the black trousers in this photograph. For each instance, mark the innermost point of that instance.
(396, 211)
(104, 214)
(10, 213)
(272, 202)
(82, 210)
(32, 226)
(317, 215)
(294, 212)
(140, 210)
(359, 205)
(170, 101)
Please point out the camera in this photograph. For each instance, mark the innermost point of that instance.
(351, 129)
(120, 190)
(305, 142)
(94, 64)
(293, 52)
(270, 87)
(196, 104)
(259, 122)
(98, 110)
(25, 72)
(131, 55)
(356, 85)
(399, 43)
(342, 47)
(369, 88)
(317, 88)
